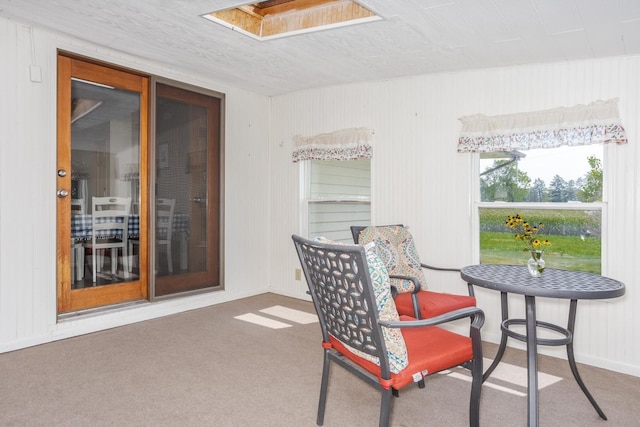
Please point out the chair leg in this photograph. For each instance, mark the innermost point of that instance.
(100, 260)
(73, 263)
(323, 389)
(385, 407)
(126, 263)
(476, 389)
(94, 263)
(114, 261)
(169, 257)
(79, 263)
(130, 256)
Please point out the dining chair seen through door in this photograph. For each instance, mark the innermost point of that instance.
(165, 209)
(77, 248)
(110, 227)
(164, 227)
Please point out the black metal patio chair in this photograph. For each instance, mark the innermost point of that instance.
(396, 247)
(363, 333)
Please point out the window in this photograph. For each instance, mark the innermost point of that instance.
(546, 166)
(336, 186)
(337, 196)
(560, 188)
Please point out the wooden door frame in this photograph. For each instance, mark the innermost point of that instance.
(77, 299)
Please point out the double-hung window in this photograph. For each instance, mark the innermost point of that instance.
(547, 167)
(338, 195)
(336, 182)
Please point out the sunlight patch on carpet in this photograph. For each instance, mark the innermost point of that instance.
(467, 378)
(285, 313)
(290, 314)
(517, 375)
(507, 374)
(262, 321)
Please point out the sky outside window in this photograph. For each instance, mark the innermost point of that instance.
(570, 163)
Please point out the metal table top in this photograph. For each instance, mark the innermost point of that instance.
(553, 283)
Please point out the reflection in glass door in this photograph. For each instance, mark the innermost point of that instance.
(105, 164)
(101, 134)
(187, 183)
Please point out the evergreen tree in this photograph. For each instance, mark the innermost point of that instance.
(557, 189)
(571, 191)
(538, 192)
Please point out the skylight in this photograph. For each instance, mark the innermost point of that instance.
(282, 18)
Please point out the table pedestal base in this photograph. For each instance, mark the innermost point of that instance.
(532, 351)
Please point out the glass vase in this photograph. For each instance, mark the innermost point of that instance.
(536, 264)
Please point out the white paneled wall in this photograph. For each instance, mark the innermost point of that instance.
(28, 202)
(419, 179)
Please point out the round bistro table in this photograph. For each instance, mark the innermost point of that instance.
(562, 284)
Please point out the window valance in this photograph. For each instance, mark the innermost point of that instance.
(597, 122)
(345, 144)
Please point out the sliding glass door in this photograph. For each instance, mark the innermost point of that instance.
(138, 187)
(102, 138)
(187, 185)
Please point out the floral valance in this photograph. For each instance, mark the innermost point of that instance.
(345, 144)
(594, 123)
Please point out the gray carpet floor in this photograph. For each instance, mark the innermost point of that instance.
(207, 368)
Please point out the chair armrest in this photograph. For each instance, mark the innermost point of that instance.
(431, 267)
(416, 283)
(476, 315)
(457, 270)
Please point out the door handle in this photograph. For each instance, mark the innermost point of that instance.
(61, 193)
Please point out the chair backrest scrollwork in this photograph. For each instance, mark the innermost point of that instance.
(341, 289)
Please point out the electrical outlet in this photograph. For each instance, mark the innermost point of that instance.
(298, 274)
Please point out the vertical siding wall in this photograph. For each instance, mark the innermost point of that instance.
(419, 179)
(28, 184)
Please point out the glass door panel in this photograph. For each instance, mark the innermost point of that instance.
(187, 142)
(102, 116)
(105, 164)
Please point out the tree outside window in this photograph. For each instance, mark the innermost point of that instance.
(545, 191)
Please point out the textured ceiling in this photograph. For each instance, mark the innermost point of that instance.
(414, 37)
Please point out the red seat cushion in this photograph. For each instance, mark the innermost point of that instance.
(432, 304)
(430, 349)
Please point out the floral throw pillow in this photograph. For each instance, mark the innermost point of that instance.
(396, 348)
(396, 248)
